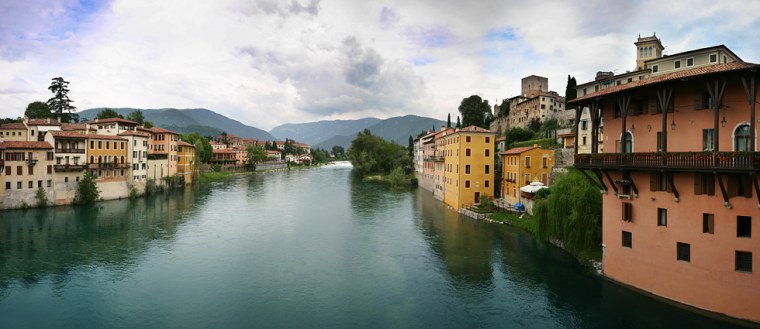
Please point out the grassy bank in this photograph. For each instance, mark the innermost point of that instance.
(214, 176)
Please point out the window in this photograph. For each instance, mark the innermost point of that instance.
(545, 179)
(7, 170)
(487, 183)
(739, 185)
(677, 64)
(584, 140)
(708, 139)
(704, 184)
(467, 169)
(683, 251)
(584, 125)
(527, 179)
(7, 185)
(655, 68)
(527, 162)
(18, 185)
(741, 138)
(65, 179)
(49, 183)
(31, 184)
(690, 62)
(708, 223)
(662, 217)
(744, 261)
(467, 152)
(488, 139)
(488, 152)
(544, 162)
(488, 169)
(627, 239)
(50, 169)
(31, 170)
(714, 58)
(467, 184)
(467, 139)
(743, 226)
(627, 211)
(659, 182)
(19, 170)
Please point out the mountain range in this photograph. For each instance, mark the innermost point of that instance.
(321, 134)
(202, 121)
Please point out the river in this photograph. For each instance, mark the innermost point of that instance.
(300, 249)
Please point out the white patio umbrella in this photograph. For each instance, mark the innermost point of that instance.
(533, 187)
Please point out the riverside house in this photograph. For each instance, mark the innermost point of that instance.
(468, 166)
(523, 165)
(680, 176)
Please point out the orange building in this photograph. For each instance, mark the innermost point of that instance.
(163, 145)
(523, 165)
(107, 157)
(681, 179)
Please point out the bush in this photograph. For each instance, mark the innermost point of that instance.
(217, 168)
(87, 191)
(397, 178)
(133, 194)
(151, 187)
(42, 199)
(545, 143)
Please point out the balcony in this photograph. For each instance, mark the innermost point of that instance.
(99, 166)
(674, 161)
(434, 158)
(67, 150)
(70, 167)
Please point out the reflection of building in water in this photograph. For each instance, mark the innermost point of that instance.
(41, 242)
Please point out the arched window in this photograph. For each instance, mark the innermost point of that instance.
(92, 159)
(122, 159)
(626, 145)
(100, 158)
(741, 138)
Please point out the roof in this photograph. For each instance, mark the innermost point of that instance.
(705, 70)
(502, 138)
(68, 134)
(518, 150)
(693, 51)
(159, 130)
(183, 143)
(73, 126)
(142, 128)
(94, 136)
(18, 145)
(473, 129)
(614, 77)
(111, 120)
(223, 151)
(43, 122)
(14, 125)
(567, 135)
(133, 133)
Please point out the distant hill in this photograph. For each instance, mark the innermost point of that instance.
(313, 133)
(397, 129)
(202, 121)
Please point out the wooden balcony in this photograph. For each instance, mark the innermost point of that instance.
(98, 166)
(673, 161)
(70, 167)
(69, 150)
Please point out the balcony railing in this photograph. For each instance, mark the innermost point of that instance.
(65, 150)
(70, 167)
(98, 166)
(729, 161)
(433, 158)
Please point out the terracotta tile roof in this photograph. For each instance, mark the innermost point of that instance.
(223, 151)
(68, 134)
(43, 122)
(567, 135)
(502, 138)
(73, 126)
(705, 70)
(183, 143)
(518, 150)
(17, 145)
(12, 126)
(134, 133)
(93, 136)
(159, 130)
(111, 120)
(142, 128)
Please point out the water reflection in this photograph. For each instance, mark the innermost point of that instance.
(52, 242)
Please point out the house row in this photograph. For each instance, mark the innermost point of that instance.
(679, 174)
(54, 156)
(535, 102)
(235, 150)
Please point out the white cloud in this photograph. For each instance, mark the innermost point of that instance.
(271, 62)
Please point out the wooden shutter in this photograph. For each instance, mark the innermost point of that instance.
(668, 187)
(654, 182)
(709, 181)
(747, 181)
(698, 183)
(732, 187)
(698, 100)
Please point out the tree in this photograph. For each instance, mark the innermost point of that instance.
(534, 124)
(518, 134)
(570, 92)
(147, 124)
(87, 191)
(474, 111)
(38, 110)
(338, 151)
(225, 141)
(459, 124)
(373, 154)
(107, 113)
(504, 108)
(448, 122)
(202, 146)
(549, 128)
(254, 155)
(60, 103)
(410, 147)
(136, 116)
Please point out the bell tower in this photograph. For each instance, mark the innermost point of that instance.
(647, 48)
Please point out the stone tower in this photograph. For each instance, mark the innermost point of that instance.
(647, 48)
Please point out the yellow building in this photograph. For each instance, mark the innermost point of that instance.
(186, 161)
(523, 165)
(107, 157)
(468, 166)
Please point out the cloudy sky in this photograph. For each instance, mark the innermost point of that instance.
(269, 62)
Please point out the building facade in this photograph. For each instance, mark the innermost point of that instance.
(468, 166)
(680, 183)
(522, 166)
